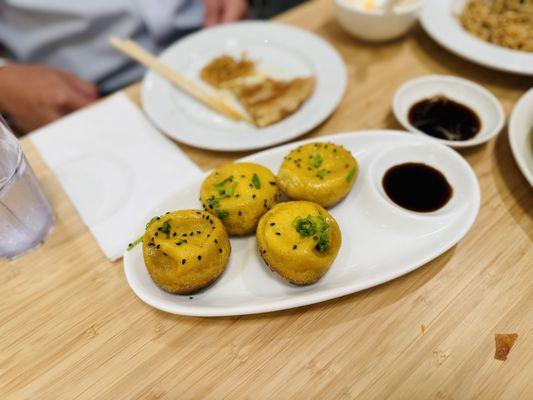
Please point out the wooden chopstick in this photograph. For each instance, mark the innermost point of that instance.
(142, 56)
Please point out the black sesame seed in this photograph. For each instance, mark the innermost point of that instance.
(277, 233)
(220, 250)
(272, 183)
(183, 261)
(198, 232)
(253, 197)
(190, 297)
(272, 223)
(199, 258)
(165, 254)
(178, 243)
(156, 234)
(174, 234)
(157, 218)
(240, 213)
(183, 234)
(157, 247)
(294, 247)
(216, 241)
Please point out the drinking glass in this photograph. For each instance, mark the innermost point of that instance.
(26, 217)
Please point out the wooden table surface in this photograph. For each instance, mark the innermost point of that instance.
(72, 328)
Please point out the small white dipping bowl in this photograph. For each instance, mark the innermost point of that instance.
(521, 135)
(377, 24)
(476, 97)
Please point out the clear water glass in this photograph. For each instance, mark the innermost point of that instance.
(26, 217)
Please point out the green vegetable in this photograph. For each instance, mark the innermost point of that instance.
(140, 239)
(165, 228)
(323, 223)
(323, 243)
(223, 191)
(256, 182)
(133, 244)
(223, 214)
(221, 184)
(305, 226)
(315, 227)
(322, 173)
(351, 174)
(213, 201)
(231, 190)
(151, 221)
(315, 160)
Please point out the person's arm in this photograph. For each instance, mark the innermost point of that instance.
(224, 11)
(33, 96)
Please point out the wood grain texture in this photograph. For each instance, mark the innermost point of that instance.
(71, 328)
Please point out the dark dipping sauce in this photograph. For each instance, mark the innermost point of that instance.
(446, 119)
(417, 187)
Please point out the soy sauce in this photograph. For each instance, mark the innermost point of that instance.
(417, 187)
(446, 119)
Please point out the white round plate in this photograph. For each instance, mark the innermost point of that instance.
(380, 241)
(521, 135)
(476, 97)
(280, 50)
(439, 20)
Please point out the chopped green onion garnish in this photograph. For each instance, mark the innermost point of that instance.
(223, 214)
(256, 182)
(165, 228)
(323, 243)
(315, 160)
(305, 226)
(309, 227)
(322, 173)
(132, 245)
(151, 221)
(222, 183)
(351, 174)
(213, 201)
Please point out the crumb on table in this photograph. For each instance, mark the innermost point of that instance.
(504, 342)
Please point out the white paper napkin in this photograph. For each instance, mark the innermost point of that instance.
(115, 167)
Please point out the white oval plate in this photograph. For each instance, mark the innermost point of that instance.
(280, 50)
(443, 26)
(521, 135)
(381, 241)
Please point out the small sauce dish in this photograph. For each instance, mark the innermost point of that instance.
(377, 20)
(468, 94)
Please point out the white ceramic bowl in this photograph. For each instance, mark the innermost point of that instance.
(376, 25)
(521, 135)
(476, 97)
